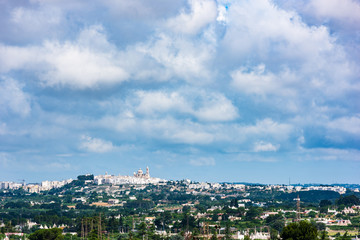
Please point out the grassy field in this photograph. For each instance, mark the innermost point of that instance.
(342, 232)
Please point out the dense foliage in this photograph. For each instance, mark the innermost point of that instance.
(303, 230)
(47, 234)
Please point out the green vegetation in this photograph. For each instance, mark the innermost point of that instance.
(47, 234)
(172, 210)
(348, 200)
(303, 230)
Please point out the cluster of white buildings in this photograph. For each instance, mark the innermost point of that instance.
(139, 177)
(10, 185)
(255, 235)
(334, 222)
(284, 188)
(290, 188)
(338, 189)
(215, 186)
(143, 178)
(45, 186)
(348, 210)
(35, 187)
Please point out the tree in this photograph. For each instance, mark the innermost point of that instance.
(85, 177)
(162, 222)
(323, 209)
(93, 235)
(186, 209)
(325, 203)
(214, 235)
(142, 229)
(227, 231)
(241, 211)
(274, 234)
(276, 222)
(320, 226)
(234, 203)
(130, 235)
(188, 222)
(324, 236)
(253, 213)
(151, 232)
(303, 230)
(312, 214)
(47, 234)
(348, 200)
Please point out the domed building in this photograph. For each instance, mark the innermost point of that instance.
(141, 174)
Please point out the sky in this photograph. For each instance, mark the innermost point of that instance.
(261, 91)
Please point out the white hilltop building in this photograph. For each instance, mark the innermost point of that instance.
(139, 177)
(140, 174)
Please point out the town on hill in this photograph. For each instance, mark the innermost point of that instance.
(143, 207)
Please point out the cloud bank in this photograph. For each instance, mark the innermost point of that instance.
(243, 84)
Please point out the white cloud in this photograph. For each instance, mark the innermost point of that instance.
(191, 136)
(35, 19)
(265, 147)
(159, 101)
(80, 68)
(12, 97)
(14, 58)
(258, 81)
(88, 62)
(91, 60)
(203, 161)
(260, 32)
(289, 63)
(178, 57)
(171, 128)
(176, 131)
(191, 77)
(216, 107)
(262, 27)
(169, 123)
(160, 128)
(35, 22)
(329, 154)
(343, 10)
(221, 14)
(123, 122)
(205, 106)
(268, 128)
(96, 145)
(202, 13)
(346, 124)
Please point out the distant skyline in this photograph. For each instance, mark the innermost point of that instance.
(239, 91)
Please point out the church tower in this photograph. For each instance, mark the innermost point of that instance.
(147, 175)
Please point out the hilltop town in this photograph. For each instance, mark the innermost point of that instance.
(141, 206)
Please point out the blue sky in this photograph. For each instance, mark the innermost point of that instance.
(255, 91)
